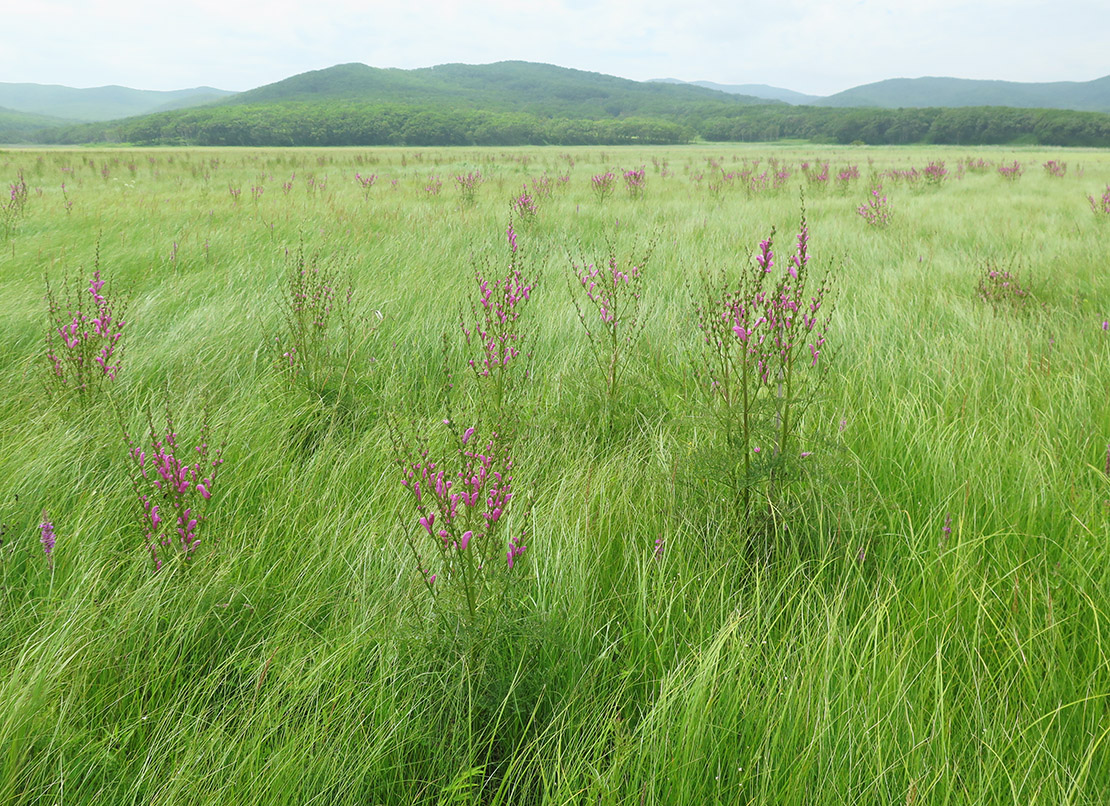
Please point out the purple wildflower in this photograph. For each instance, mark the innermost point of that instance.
(47, 537)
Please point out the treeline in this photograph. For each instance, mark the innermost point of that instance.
(359, 124)
(978, 125)
(350, 123)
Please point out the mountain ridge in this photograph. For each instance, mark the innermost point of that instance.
(92, 104)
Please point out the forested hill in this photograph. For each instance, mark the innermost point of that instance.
(520, 103)
(539, 89)
(1086, 96)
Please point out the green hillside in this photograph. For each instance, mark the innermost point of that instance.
(99, 103)
(513, 86)
(19, 127)
(1087, 96)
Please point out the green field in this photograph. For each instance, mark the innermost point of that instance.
(916, 610)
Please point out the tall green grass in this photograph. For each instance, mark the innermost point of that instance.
(865, 656)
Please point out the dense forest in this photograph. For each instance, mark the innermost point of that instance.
(350, 123)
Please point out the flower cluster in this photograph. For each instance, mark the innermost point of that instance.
(461, 509)
(1101, 206)
(1055, 168)
(602, 185)
(468, 185)
(1000, 289)
(935, 172)
(523, 207)
(494, 326)
(1013, 171)
(757, 333)
(816, 174)
(83, 341)
(171, 490)
(613, 291)
(635, 180)
(876, 210)
(366, 182)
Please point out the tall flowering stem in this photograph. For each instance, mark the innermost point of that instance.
(758, 333)
(457, 528)
(84, 333)
(493, 329)
(468, 185)
(47, 538)
(173, 485)
(12, 208)
(316, 304)
(876, 210)
(1101, 206)
(612, 311)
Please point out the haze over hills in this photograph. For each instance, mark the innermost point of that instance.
(1083, 96)
(922, 93)
(99, 103)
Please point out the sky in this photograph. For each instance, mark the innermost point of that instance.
(813, 46)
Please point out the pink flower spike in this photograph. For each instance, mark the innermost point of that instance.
(467, 434)
(203, 492)
(428, 521)
(465, 539)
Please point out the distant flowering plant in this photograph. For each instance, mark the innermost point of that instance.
(635, 180)
(846, 176)
(173, 485)
(316, 302)
(1055, 168)
(1101, 206)
(602, 185)
(494, 329)
(1000, 289)
(876, 210)
(13, 208)
(612, 314)
(1012, 172)
(84, 335)
(523, 207)
(935, 172)
(468, 185)
(458, 530)
(366, 183)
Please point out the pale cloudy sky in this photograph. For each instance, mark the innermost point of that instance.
(814, 46)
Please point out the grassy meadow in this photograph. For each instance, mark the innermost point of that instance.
(912, 607)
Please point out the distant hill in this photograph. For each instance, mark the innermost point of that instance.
(1083, 96)
(503, 86)
(99, 103)
(763, 91)
(522, 103)
(20, 127)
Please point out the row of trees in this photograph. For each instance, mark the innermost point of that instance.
(349, 123)
(980, 125)
(356, 124)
